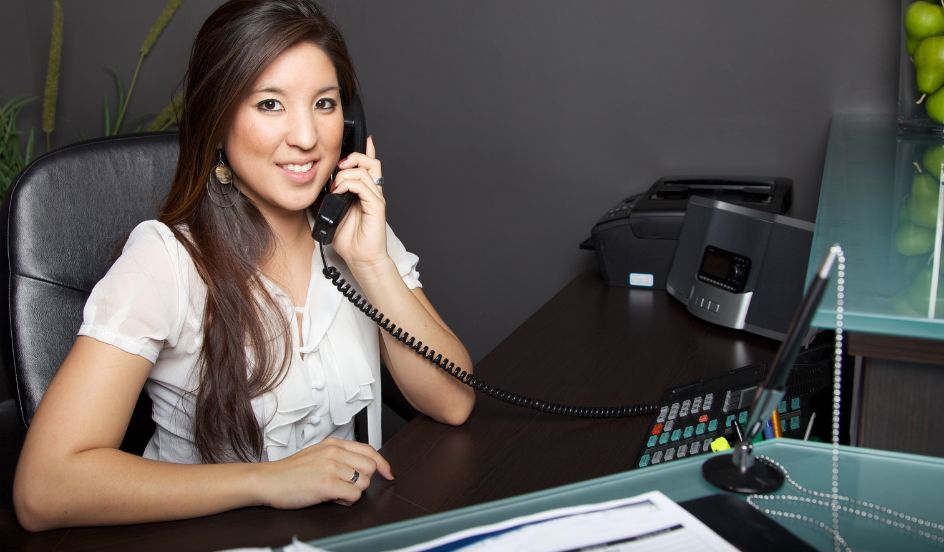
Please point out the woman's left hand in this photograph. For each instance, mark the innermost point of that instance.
(361, 238)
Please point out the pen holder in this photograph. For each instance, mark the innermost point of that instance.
(740, 472)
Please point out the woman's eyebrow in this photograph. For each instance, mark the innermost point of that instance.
(277, 90)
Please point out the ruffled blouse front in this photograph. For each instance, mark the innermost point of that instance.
(151, 303)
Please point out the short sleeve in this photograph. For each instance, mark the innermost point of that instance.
(140, 304)
(406, 262)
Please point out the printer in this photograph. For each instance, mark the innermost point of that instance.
(635, 240)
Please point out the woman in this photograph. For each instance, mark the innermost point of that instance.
(255, 364)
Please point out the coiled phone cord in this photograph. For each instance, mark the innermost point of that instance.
(458, 373)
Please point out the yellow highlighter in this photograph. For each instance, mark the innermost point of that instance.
(720, 444)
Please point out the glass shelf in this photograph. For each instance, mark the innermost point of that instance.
(864, 204)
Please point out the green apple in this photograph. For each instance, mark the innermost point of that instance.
(929, 64)
(932, 160)
(919, 292)
(922, 203)
(914, 264)
(924, 185)
(924, 19)
(934, 107)
(911, 239)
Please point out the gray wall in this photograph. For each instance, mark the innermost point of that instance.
(507, 126)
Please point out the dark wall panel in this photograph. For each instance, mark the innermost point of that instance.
(507, 127)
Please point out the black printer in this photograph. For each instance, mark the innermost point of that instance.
(635, 240)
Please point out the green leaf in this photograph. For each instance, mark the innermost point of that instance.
(120, 104)
(107, 118)
(158, 26)
(169, 114)
(6, 174)
(29, 148)
(12, 160)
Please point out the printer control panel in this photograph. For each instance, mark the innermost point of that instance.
(620, 210)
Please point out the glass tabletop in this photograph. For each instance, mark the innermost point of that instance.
(878, 199)
(906, 483)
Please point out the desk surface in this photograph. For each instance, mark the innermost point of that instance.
(589, 344)
(914, 490)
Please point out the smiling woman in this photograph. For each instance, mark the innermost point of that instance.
(256, 367)
(286, 135)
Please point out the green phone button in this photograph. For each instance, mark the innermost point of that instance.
(688, 432)
(712, 425)
(644, 461)
(699, 429)
(676, 435)
(664, 438)
(653, 439)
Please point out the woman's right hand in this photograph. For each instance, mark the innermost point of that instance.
(321, 473)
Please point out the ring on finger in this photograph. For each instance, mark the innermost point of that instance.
(355, 477)
(379, 181)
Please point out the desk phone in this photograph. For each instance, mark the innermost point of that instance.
(693, 415)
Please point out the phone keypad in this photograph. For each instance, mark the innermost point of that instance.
(691, 418)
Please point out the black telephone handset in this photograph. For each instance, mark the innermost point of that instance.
(334, 206)
(332, 210)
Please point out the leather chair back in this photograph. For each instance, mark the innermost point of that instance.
(63, 223)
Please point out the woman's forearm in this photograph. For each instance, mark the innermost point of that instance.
(426, 387)
(108, 486)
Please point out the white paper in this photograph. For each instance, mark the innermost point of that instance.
(649, 521)
(295, 546)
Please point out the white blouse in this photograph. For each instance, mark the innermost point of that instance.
(152, 301)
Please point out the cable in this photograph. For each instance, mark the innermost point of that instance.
(458, 373)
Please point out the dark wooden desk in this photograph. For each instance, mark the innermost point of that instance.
(590, 344)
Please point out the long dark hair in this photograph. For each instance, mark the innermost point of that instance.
(227, 244)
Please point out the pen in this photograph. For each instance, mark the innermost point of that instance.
(809, 427)
(775, 422)
(768, 430)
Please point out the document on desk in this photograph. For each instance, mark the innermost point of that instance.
(645, 522)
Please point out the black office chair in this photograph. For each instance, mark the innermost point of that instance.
(64, 222)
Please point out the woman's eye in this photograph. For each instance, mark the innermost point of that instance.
(326, 104)
(269, 105)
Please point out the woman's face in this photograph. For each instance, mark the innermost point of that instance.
(285, 137)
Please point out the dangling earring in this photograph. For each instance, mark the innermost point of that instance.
(220, 185)
(221, 171)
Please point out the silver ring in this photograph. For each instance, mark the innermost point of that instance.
(356, 476)
(379, 181)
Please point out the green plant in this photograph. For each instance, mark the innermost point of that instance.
(124, 99)
(51, 91)
(12, 160)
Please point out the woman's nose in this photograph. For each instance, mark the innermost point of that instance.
(302, 133)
